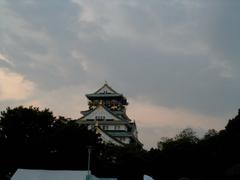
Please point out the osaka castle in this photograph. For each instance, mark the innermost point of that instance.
(107, 115)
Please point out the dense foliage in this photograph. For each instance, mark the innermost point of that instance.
(215, 156)
(33, 138)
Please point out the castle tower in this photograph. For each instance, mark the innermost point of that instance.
(107, 113)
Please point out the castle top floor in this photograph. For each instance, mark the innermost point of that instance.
(107, 95)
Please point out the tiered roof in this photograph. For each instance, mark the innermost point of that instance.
(106, 92)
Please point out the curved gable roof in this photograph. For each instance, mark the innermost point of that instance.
(100, 111)
(106, 89)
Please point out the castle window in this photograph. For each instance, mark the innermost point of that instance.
(104, 127)
(117, 127)
(100, 118)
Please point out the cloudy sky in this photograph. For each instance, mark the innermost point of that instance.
(177, 61)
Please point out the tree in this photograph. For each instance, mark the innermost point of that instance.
(215, 156)
(210, 133)
(187, 135)
(21, 125)
(233, 125)
(21, 131)
(33, 138)
(164, 143)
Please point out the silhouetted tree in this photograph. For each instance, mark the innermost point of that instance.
(215, 156)
(33, 138)
(210, 133)
(233, 125)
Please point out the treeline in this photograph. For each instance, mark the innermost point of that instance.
(34, 139)
(215, 156)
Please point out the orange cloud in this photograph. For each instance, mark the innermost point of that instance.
(151, 115)
(14, 86)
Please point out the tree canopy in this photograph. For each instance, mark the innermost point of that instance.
(31, 137)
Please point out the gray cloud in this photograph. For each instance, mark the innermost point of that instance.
(176, 54)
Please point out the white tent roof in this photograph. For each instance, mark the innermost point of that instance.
(145, 177)
(24, 174)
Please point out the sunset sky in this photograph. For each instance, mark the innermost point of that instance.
(177, 61)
